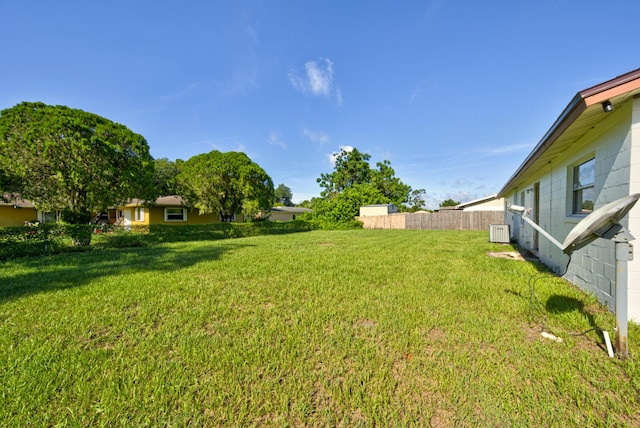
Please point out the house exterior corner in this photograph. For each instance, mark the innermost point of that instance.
(587, 159)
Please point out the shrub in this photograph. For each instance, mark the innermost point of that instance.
(33, 240)
(41, 239)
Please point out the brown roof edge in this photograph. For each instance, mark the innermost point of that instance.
(621, 83)
(15, 200)
(583, 99)
(569, 114)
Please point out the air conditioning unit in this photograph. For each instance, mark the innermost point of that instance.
(499, 233)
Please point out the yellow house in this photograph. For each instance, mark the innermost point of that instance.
(166, 210)
(16, 213)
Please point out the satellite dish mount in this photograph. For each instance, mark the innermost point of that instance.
(601, 223)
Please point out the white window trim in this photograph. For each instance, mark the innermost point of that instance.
(139, 214)
(572, 190)
(43, 214)
(166, 216)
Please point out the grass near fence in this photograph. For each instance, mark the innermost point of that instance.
(327, 328)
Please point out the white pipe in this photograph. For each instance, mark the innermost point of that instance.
(607, 340)
(544, 233)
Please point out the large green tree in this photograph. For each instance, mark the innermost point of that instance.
(70, 160)
(352, 184)
(416, 200)
(166, 172)
(384, 179)
(351, 167)
(283, 195)
(226, 184)
(449, 203)
(341, 210)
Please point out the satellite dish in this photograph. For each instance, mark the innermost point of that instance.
(598, 223)
(602, 223)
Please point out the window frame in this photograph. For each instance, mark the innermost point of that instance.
(577, 207)
(139, 214)
(167, 214)
(49, 217)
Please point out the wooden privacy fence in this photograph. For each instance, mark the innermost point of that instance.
(444, 220)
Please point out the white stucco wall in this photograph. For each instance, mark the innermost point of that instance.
(615, 144)
(634, 215)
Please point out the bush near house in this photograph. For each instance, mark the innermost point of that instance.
(34, 240)
(44, 239)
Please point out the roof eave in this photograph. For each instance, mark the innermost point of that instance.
(568, 116)
(581, 101)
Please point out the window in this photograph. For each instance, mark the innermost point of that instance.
(584, 177)
(139, 214)
(175, 214)
(49, 216)
(228, 218)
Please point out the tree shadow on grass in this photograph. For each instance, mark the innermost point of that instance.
(558, 304)
(64, 271)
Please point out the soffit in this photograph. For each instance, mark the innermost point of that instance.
(582, 115)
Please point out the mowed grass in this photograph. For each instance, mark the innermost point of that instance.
(324, 328)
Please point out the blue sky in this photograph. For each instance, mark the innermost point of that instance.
(454, 94)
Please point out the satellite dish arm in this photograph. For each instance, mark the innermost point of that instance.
(524, 214)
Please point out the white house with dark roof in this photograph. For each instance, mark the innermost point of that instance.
(287, 213)
(488, 203)
(589, 157)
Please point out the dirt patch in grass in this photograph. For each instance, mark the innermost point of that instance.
(521, 255)
(365, 324)
(509, 255)
(585, 342)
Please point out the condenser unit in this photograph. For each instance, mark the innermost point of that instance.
(499, 233)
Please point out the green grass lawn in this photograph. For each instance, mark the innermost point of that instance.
(324, 328)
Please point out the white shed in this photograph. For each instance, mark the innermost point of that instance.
(380, 209)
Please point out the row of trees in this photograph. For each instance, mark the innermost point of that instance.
(79, 163)
(354, 183)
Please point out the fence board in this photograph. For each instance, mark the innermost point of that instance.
(447, 220)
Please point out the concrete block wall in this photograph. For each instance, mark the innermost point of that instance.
(615, 143)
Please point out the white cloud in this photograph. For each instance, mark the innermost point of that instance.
(433, 200)
(316, 137)
(226, 144)
(512, 148)
(424, 88)
(317, 79)
(339, 96)
(274, 139)
(320, 78)
(297, 82)
(333, 156)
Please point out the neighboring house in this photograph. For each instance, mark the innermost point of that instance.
(286, 213)
(488, 203)
(379, 209)
(590, 156)
(165, 210)
(16, 213)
